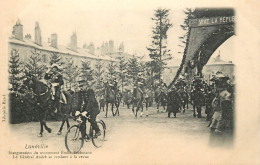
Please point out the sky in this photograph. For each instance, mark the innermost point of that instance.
(99, 21)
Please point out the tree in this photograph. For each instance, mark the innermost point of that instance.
(98, 74)
(158, 51)
(86, 74)
(15, 71)
(71, 73)
(34, 64)
(122, 67)
(132, 69)
(111, 70)
(55, 58)
(184, 39)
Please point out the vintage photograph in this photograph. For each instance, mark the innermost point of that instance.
(121, 85)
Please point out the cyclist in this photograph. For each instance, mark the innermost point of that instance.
(90, 108)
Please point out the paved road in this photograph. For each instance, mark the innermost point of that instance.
(131, 140)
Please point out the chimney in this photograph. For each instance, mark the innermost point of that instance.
(54, 42)
(111, 46)
(91, 48)
(28, 36)
(18, 30)
(38, 37)
(121, 48)
(73, 42)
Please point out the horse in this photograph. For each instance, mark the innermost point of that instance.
(127, 98)
(198, 102)
(137, 101)
(160, 98)
(44, 103)
(112, 98)
(102, 103)
(184, 99)
(148, 99)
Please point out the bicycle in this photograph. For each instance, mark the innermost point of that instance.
(74, 140)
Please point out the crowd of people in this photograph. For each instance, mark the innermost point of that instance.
(216, 96)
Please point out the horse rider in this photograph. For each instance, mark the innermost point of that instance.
(56, 80)
(222, 104)
(198, 95)
(90, 108)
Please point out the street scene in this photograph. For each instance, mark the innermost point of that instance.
(166, 82)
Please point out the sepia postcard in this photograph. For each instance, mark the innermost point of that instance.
(130, 82)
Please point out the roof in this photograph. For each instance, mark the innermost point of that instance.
(60, 49)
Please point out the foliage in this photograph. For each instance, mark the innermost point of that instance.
(86, 75)
(71, 73)
(35, 65)
(158, 51)
(122, 74)
(15, 72)
(98, 74)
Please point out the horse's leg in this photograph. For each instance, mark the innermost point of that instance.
(41, 129)
(158, 107)
(133, 108)
(106, 109)
(141, 111)
(146, 107)
(112, 109)
(44, 122)
(61, 127)
(117, 109)
(194, 113)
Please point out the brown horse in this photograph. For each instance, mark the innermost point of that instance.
(160, 98)
(44, 103)
(137, 101)
(112, 98)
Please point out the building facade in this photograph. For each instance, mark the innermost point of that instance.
(214, 65)
(25, 46)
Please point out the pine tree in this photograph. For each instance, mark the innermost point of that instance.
(15, 71)
(86, 75)
(34, 64)
(122, 67)
(111, 70)
(158, 49)
(132, 69)
(184, 39)
(71, 73)
(98, 74)
(55, 58)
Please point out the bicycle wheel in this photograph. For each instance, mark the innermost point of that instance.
(73, 139)
(98, 141)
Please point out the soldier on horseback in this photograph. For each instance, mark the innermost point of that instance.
(56, 80)
(198, 95)
(139, 85)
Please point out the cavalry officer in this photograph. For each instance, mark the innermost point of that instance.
(54, 75)
(222, 104)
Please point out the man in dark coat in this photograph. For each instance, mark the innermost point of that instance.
(91, 108)
(173, 102)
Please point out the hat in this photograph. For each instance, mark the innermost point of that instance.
(219, 76)
(56, 65)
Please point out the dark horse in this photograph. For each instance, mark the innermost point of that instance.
(111, 97)
(127, 98)
(160, 98)
(184, 99)
(148, 98)
(137, 101)
(44, 103)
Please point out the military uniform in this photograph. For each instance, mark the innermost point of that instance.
(173, 102)
(56, 81)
